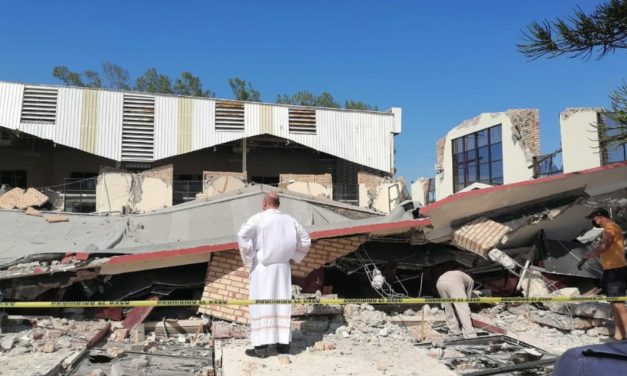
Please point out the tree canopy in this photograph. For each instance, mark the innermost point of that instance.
(325, 99)
(582, 35)
(116, 77)
(579, 35)
(243, 90)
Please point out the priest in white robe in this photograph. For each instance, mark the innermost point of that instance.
(267, 243)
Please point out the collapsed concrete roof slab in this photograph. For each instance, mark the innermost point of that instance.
(25, 235)
(499, 200)
(184, 234)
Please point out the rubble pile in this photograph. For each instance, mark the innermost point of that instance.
(49, 335)
(42, 345)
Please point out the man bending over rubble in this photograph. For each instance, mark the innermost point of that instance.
(457, 284)
(267, 243)
(612, 252)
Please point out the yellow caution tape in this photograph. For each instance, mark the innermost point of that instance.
(187, 303)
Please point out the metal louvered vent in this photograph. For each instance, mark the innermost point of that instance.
(138, 128)
(229, 116)
(302, 120)
(39, 105)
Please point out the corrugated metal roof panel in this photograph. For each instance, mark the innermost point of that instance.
(10, 104)
(362, 137)
(109, 137)
(166, 124)
(203, 123)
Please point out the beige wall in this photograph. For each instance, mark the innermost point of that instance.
(419, 191)
(580, 140)
(313, 185)
(150, 190)
(217, 182)
(520, 137)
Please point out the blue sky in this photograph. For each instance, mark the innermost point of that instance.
(442, 62)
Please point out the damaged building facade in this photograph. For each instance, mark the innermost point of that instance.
(65, 136)
(523, 233)
(504, 148)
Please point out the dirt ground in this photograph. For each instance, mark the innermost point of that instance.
(394, 358)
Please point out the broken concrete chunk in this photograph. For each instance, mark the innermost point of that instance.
(480, 235)
(318, 324)
(139, 362)
(135, 347)
(33, 212)
(56, 218)
(9, 199)
(138, 333)
(323, 346)
(7, 343)
(315, 309)
(533, 285)
(97, 372)
(115, 352)
(32, 197)
(119, 334)
(54, 333)
(594, 310)
(284, 360)
(49, 347)
(18, 198)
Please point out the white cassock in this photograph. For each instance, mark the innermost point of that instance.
(267, 243)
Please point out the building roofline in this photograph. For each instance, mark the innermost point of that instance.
(478, 192)
(226, 246)
(388, 112)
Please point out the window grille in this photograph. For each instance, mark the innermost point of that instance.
(39, 105)
(138, 128)
(229, 116)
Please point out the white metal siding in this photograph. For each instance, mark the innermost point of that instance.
(166, 124)
(67, 128)
(109, 137)
(361, 137)
(252, 116)
(10, 104)
(203, 125)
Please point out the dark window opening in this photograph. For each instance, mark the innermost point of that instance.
(478, 157)
(268, 180)
(548, 164)
(186, 187)
(14, 178)
(431, 191)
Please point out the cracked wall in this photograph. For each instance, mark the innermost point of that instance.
(143, 192)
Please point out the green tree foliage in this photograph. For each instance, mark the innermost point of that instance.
(581, 35)
(154, 82)
(307, 98)
(358, 105)
(116, 77)
(325, 99)
(615, 135)
(188, 84)
(243, 90)
(68, 77)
